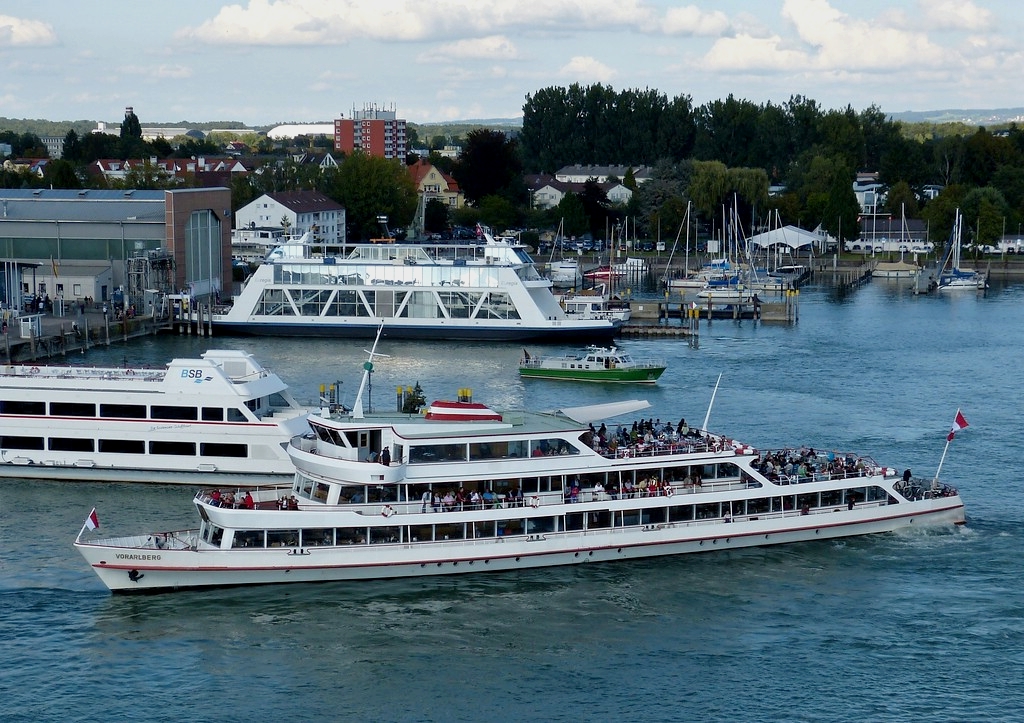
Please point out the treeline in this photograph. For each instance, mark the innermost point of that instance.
(811, 152)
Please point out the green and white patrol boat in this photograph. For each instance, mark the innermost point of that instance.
(593, 364)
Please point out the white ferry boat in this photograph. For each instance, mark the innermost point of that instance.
(222, 415)
(462, 292)
(463, 488)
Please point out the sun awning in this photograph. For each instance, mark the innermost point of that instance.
(595, 412)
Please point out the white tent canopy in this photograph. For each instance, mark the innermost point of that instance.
(790, 236)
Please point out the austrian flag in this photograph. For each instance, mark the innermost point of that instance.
(93, 520)
(958, 423)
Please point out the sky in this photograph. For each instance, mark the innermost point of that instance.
(263, 62)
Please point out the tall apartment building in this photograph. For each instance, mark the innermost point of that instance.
(377, 132)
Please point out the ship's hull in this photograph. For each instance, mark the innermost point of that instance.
(640, 376)
(438, 330)
(151, 569)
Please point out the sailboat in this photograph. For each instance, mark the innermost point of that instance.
(898, 269)
(734, 288)
(563, 272)
(951, 276)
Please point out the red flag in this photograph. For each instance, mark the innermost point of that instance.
(958, 423)
(93, 520)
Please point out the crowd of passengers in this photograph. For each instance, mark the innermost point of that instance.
(801, 465)
(645, 434)
(461, 500)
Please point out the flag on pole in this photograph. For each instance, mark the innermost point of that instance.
(958, 423)
(53, 265)
(92, 521)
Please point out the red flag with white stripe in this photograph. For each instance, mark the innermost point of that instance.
(93, 520)
(958, 423)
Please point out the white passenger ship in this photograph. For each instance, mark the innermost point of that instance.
(464, 292)
(468, 489)
(222, 415)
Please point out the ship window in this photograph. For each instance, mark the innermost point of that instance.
(574, 520)
(71, 444)
(13, 442)
(236, 415)
(317, 537)
(184, 449)
(320, 493)
(437, 453)
(351, 535)
(653, 516)
(555, 445)
(247, 538)
(510, 527)
(214, 535)
(540, 525)
(72, 409)
(282, 538)
(123, 411)
(708, 511)
(123, 446)
(422, 533)
(163, 412)
(220, 449)
(680, 513)
(381, 535)
(15, 406)
(213, 414)
(451, 532)
(758, 506)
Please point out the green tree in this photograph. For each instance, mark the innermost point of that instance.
(573, 214)
(435, 216)
(60, 173)
(72, 147)
(984, 211)
(497, 212)
(901, 200)
(130, 126)
(490, 166)
(370, 186)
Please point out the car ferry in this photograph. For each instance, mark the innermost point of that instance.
(487, 291)
(593, 364)
(222, 415)
(463, 488)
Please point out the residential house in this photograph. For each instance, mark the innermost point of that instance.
(581, 174)
(433, 183)
(547, 191)
(299, 212)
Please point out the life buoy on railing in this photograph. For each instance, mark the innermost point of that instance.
(535, 501)
(33, 370)
(387, 511)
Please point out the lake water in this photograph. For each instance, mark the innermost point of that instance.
(923, 626)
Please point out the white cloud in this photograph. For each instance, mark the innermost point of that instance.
(828, 40)
(493, 47)
(954, 15)
(691, 20)
(332, 22)
(20, 31)
(582, 68)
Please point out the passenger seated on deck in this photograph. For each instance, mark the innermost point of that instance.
(215, 498)
(248, 502)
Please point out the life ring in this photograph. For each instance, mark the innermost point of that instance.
(387, 511)
(535, 501)
(129, 372)
(33, 370)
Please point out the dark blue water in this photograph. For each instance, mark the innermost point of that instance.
(926, 626)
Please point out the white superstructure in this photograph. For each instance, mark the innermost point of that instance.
(467, 292)
(469, 489)
(222, 415)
